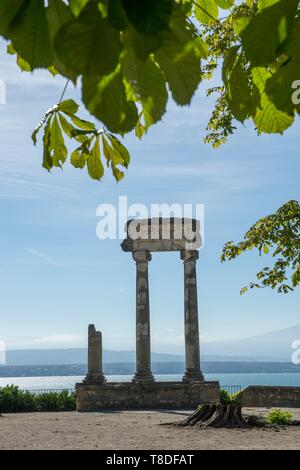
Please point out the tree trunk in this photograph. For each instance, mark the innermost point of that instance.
(217, 416)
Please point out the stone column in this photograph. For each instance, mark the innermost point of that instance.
(191, 325)
(143, 355)
(95, 373)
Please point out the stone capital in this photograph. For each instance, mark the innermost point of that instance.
(141, 256)
(189, 255)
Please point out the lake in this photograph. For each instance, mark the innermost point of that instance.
(242, 379)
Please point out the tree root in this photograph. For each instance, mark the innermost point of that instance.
(219, 416)
(202, 413)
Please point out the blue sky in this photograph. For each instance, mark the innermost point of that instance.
(57, 276)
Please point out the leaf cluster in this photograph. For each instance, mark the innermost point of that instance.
(278, 235)
(129, 56)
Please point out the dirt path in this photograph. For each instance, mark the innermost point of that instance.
(132, 430)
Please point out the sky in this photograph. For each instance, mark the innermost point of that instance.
(57, 276)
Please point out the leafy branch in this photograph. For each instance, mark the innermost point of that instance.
(277, 234)
(62, 120)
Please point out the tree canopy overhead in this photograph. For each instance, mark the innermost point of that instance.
(129, 56)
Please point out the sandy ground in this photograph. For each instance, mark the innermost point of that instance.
(116, 430)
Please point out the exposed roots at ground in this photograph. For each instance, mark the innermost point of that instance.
(218, 416)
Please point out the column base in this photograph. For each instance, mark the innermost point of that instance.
(192, 376)
(143, 378)
(94, 379)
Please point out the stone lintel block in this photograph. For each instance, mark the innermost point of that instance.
(162, 234)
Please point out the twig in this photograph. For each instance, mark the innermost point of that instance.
(64, 91)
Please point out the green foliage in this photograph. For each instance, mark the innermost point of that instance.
(225, 4)
(266, 116)
(221, 121)
(227, 399)
(261, 48)
(60, 121)
(259, 69)
(274, 61)
(144, 82)
(29, 33)
(282, 81)
(279, 417)
(79, 44)
(238, 92)
(106, 99)
(206, 11)
(276, 235)
(77, 6)
(149, 18)
(13, 400)
(130, 53)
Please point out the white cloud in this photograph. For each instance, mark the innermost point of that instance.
(123, 291)
(65, 340)
(118, 343)
(43, 256)
(61, 340)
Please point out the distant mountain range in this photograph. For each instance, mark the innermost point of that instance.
(271, 347)
(29, 357)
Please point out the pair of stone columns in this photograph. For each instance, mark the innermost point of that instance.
(143, 352)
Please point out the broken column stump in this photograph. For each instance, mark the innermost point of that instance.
(95, 371)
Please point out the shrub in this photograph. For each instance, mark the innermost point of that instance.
(279, 417)
(227, 399)
(13, 400)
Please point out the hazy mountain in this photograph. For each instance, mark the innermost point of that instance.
(77, 356)
(273, 346)
(276, 345)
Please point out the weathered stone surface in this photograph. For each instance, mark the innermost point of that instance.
(191, 324)
(124, 395)
(162, 234)
(171, 234)
(153, 235)
(95, 372)
(270, 396)
(143, 353)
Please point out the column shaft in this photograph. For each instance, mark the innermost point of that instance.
(143, 351)
(191, 325)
